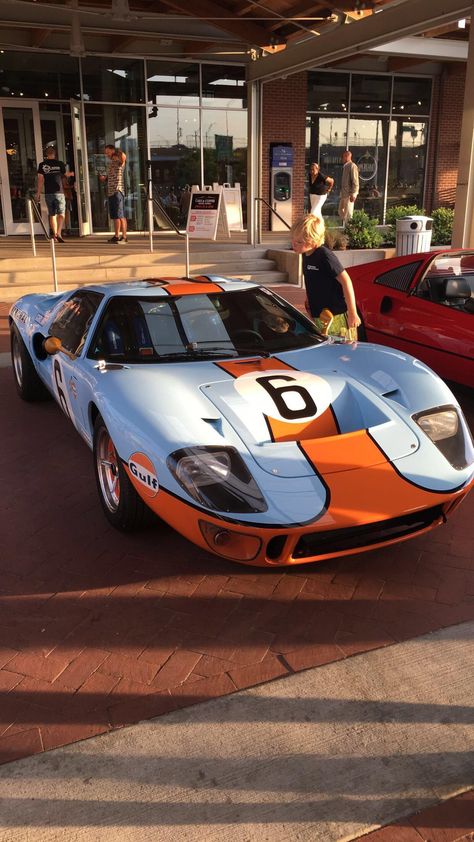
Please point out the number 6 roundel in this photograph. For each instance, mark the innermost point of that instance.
(291, 396)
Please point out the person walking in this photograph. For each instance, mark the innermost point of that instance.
(51, 175)
(319, 187)
(349, 186)
(328, 284)
(115, 192)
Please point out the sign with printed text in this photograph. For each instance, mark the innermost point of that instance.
(206, 216)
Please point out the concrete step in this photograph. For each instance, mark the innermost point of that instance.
(125, 256)
(12, 291)
(106, 273)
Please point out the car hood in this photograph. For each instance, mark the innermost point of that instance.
(345, 407)
(356, 390)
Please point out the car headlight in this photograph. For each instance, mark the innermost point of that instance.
(443, 426)
(216, 477)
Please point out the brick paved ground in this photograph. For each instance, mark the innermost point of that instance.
(452, 821)
(99, 630)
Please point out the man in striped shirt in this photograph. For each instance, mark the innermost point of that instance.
(115, 192)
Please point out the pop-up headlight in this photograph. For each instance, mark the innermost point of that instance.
(443, 426)
(216, 477)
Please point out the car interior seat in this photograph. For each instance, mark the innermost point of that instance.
(112, 340)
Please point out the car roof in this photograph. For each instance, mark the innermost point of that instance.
(156, 286)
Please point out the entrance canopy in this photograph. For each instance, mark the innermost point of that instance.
(274, 36)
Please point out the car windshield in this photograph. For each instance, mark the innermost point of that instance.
(200, 326)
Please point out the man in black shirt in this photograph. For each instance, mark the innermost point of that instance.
(51, 174)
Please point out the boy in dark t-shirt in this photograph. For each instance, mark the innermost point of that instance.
(51, 174)
(328, 285)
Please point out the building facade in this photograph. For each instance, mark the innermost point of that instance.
(185, 122)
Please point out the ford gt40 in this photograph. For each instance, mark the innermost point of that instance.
(217, 405)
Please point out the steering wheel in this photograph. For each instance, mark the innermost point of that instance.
(250, 335)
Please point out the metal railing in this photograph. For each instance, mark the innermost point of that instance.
(258, 220)
(33, 212)
(155, 207)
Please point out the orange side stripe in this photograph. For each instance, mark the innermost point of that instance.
(343, 452)
(360, 497)
(321, 427)
(238, 367)
(190, 288)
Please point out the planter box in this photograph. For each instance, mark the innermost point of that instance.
(288, 261)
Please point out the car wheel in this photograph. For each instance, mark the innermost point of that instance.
(27, 382)
(122, 506)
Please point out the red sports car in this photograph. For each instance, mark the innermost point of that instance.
(422, 304)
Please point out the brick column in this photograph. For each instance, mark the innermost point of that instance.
(463, 228)
(445, 137)
(283, 121)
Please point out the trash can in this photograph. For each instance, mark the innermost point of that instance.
(413, 234)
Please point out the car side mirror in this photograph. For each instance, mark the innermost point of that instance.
(52, 345)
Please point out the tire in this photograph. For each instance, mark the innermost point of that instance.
(122, 506)
(27, 381)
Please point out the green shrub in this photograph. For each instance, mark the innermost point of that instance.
(394, 213)
(335, 239)
(397, 211)
(442, 226)
(362, 231)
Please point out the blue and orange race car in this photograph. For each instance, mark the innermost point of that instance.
(218, 406)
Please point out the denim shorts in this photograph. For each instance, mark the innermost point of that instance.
(56, 203)
(116, 208)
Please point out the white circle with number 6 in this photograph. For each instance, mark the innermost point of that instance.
(292, 396)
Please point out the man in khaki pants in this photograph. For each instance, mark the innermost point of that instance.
(349, 186)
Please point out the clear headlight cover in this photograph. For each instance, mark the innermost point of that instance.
(440, 425)
(216, 477)
(443, 426)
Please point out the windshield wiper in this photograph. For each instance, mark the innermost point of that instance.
(196, 354)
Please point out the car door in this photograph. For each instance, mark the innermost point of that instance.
(406, 315)
(71, 325)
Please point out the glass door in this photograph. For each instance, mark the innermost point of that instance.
(80, 170)
(20, 152)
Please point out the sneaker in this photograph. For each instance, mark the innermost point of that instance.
(123, 240)
(59, 239)
(114, 239)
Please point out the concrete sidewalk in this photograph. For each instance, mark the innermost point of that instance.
(325, 755)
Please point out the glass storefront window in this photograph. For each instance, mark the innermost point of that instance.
(328, 91)
(39, 76)
(124, 127)
(113, 79)
(224, 138)
(368, 141)
(407, 162)
(370, 93)
(175, 154)
(326, 139)
(224, 86)
(172, 83)
(411, 96)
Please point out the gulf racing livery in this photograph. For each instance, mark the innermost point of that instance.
(217, 405)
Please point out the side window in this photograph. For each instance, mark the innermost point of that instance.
(400, 277)
(449, 281)
(73, 320)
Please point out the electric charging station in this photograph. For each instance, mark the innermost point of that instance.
(281, 184)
